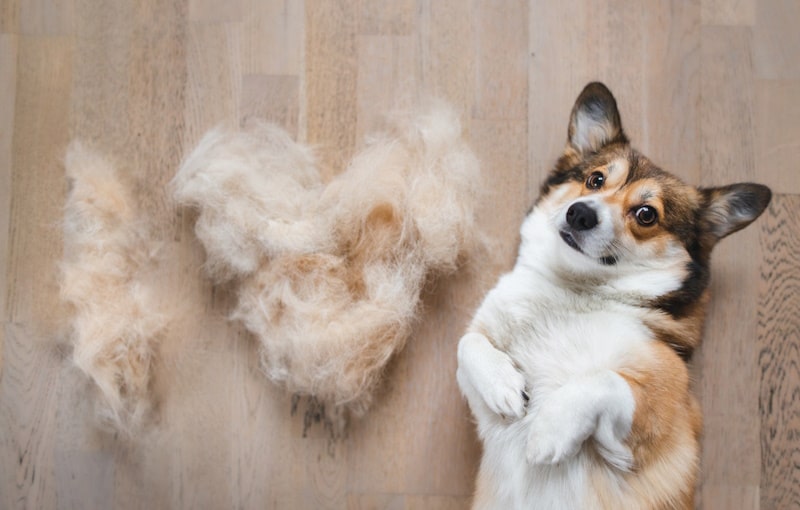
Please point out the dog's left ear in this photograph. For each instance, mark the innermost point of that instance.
(731, 208)
(594, 121)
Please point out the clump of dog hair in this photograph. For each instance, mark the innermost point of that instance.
(115, 321)
(329, 275)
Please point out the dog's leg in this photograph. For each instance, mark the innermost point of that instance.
(600, 405)
(489, 380)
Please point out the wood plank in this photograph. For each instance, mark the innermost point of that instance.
(8, 90)
(448, 70)
(779, 354)
(777, 128)
(331, 81)
(440, 426)
(728, 357)
(46, 17)
(157, 76)
(213, 80)
(776, 40)
(726, 497)
(728, 12)
(671, 91)
(9, 16)
(727, 96)
(28, 401)
(387, 80)
(395, 17)
(406, 502)
(501, 84)
(210, 11)
(273, 98)
(273, 37)
(37, 183)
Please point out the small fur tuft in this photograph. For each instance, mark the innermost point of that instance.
(330, 274)
(115, 319)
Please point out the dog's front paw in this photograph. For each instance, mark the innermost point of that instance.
(489, 379)
(557, 432)
(504, 392)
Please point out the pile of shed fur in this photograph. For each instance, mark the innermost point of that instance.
(328, 275)
(117, 316)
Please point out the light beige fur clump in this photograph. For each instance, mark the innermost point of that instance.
(329, 275)
(114, 319)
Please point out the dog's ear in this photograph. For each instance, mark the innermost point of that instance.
(730, 208)
(594, 121)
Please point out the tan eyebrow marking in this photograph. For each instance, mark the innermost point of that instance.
(616, 171)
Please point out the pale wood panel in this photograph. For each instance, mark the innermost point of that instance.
(273, 37)
(9, 16)
(210, 11)
(402, 502)
(777, 40)
(41, 111)
(8, 88)
(728, 359)
(275, 98)
(331, 80)
(396, 17)
(706, 88)
(728, 12)
(501, 85)
(777, 144)
(448, 66)
(28, 402)
(387, 77)
(779, 354)
(46, 17)
(214, 79)
(726, 497)
(670, 72)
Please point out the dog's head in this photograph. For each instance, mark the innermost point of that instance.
(615, 214)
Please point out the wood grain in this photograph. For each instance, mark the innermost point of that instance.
(331, 80)
(707, 89)
(37, 185)
(9, 16)
(777, 144)
(779, 354)
(776, 43)
(728, 357)
(8, 86)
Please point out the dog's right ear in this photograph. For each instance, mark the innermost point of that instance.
(594, 122)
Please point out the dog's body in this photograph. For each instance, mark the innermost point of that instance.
(574, 365)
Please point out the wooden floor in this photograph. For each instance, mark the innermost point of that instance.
(709, 89)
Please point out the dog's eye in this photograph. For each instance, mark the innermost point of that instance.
(646, 215)
(596, 180)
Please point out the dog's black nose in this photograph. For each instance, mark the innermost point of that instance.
(581, 217)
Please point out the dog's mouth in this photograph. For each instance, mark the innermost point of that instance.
(608, 260)
(570, 240)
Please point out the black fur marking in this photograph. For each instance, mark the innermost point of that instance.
(559, 177)
(683, 351)
(608, 260)
(679, 302)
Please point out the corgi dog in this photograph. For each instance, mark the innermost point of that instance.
(575, 364)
